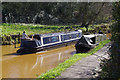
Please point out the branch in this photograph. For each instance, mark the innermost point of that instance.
(96, 14)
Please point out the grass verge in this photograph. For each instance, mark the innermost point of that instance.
(33, 29)
(42, 29)
(66, 64)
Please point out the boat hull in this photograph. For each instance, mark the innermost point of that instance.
(44, 48)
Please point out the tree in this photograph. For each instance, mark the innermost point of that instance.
(67, 13)
(111, 67)
(88, 12)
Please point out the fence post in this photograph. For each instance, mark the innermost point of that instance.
(15, 42)
(19, 37)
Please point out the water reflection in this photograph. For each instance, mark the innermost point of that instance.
(31, 65)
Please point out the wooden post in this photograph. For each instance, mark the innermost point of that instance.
(19, 37)
(15, 42)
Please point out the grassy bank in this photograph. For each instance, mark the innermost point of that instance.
(66, 64)
(16, 29)
(33, 29)
(42, 29)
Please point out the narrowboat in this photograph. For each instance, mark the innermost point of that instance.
(42, 42)
(87, 42)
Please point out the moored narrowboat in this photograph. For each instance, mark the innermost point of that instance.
(42, 42)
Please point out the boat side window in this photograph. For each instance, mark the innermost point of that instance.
(55, 38)
(74, 35)
(66, 37)
(51, 39)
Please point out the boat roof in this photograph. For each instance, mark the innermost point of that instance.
(56, 34)
(90, 36)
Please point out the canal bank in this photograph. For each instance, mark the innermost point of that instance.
(53, 73)
(88, 67)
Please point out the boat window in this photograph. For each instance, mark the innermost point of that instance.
(51, 39)
(74, 35)
(65, 37)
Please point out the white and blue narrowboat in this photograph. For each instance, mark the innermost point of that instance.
(47, 41)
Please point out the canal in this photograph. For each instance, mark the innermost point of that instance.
(32, 65)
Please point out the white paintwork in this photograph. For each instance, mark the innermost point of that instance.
(42, 41)
(60, 38)
(90, 36)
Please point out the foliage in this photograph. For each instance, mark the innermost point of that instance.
(55, 13)
(111, 67)
(63, 66)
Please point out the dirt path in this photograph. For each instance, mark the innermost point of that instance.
(87, 67)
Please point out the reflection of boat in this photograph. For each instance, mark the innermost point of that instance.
(48, 41)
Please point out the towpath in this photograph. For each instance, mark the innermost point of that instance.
(88, 67)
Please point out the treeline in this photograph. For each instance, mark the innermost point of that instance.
(51, 13)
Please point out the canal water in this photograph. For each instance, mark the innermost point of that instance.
(32, 65)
